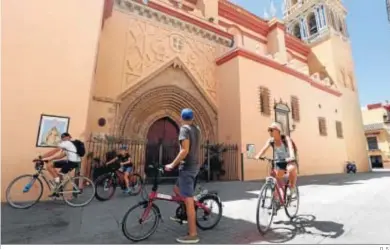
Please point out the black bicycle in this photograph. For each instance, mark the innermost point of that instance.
(107, 183)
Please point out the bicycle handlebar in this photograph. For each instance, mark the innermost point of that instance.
(157, 168)
(266, 159)
(272, 160)
(39, 159)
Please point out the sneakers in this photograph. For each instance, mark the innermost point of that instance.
(293, 191)
(127, 191)
(188, 239)
(174, 218)
(55, 189)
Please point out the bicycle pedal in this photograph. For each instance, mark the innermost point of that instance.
(55, 197)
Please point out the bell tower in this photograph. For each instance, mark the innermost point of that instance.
(313, 20)
(321, 24)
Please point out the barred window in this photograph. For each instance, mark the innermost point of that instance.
(265, 105)
(339, 129)
(322, 126)
(295, 108)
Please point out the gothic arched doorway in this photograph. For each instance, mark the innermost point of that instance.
(163, 143)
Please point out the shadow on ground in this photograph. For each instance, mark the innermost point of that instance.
(285, 231)
(245, 191)
(54, 223)
(99, 222)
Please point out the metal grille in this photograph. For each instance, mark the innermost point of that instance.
(322, 126)
(224, 158)
(388, 9)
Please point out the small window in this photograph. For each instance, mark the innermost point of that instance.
(312, 22)
(322, 126)
(297, 31)
(339, 129)
(264, 96)
(372, 143)
(295, 108)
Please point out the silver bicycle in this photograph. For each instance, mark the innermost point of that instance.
(26, 190)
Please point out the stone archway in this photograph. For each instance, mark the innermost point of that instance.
(159, 102)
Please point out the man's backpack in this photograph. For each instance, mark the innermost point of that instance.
(284, 140)
(80, 147)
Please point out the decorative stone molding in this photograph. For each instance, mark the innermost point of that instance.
(326, 81)
(138, 115)
(315, 76)
(155, 15)
(304, 69)
(104, 99)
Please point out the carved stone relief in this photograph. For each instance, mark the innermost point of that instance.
(149, 45)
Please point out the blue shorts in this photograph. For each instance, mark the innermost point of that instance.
(186, 182)
(126, 169)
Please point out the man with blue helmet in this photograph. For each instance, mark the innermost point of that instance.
(187, 159)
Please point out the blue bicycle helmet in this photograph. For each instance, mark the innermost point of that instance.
(187, 114)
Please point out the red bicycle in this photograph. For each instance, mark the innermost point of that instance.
(282, 197)
(150, 212)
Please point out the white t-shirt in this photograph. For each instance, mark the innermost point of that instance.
(70, 150)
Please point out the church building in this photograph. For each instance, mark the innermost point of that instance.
(122, 67)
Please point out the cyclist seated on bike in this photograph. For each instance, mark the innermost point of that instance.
(126, 165)
(283, 155)
(64, 157)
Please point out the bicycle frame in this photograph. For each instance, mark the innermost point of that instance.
(40, 172)
(279, 184)
(154, 195)
(120, 178)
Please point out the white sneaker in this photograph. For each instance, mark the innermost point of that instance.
(293, 191)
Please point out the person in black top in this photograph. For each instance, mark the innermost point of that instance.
(126, 165)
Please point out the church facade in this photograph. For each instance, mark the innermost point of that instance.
(122, 70)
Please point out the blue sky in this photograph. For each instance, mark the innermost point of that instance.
(369, 32)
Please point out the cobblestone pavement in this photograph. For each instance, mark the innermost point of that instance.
(335, 209)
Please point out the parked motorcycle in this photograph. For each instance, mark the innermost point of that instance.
(350, 167)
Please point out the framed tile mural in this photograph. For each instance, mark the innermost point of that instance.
(282, 116)
(50, 129)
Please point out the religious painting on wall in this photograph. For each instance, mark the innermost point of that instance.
(250, 151)
(50, 129)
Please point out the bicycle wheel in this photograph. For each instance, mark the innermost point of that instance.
(136, 184)
(266, 192)
(28, 191)
(207, 216)
(105, 187)
(292, 202)
(153, 213)
(78, 191)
